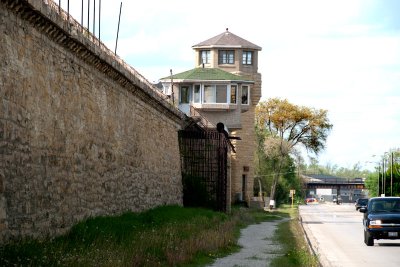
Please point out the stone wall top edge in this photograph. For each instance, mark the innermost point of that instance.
(75, 31)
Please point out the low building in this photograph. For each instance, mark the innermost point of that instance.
(331, 187)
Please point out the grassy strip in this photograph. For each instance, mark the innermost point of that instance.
(295, 248)
(164, 236)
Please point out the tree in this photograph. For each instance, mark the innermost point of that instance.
(268, 156)
(355, 172)
(385, 180)
(289, 126)
(371, 183)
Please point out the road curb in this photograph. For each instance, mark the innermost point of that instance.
(310, 247)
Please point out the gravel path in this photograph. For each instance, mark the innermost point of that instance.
(258, 248)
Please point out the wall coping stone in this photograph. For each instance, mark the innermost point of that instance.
(64, 30)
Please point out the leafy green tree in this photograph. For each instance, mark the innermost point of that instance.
(267, 159)
(355, 172)
(264, 163)
(288, 126)
(389, 179)
(371, 183)
(392, 178)
(289, 180)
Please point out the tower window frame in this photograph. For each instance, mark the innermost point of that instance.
(247, 57)
(185, 94)
(245, 94)
(233, 94)
(226, 57)
(205, 56)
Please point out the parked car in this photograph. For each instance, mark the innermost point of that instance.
(361, 202)
(381, 219)
(311, 200)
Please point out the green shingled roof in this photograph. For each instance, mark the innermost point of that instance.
(207, 74)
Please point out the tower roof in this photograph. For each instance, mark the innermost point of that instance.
(207, 74)
(227, 40)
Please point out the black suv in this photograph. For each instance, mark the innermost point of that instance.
(381, 219)
(361, 202)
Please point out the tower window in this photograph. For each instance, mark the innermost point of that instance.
(247, 58)
(216, 93)
(185, 95)
(245, 94)
(197, 93)
(205, 57)
(226, 57)
(233, 94)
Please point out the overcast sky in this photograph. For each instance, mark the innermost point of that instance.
(339, 55)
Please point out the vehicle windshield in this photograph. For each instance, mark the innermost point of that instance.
(386, 205)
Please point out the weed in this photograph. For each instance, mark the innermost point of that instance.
(164, 236)
(294, 247)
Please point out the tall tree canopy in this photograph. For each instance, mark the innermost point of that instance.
(288, 126)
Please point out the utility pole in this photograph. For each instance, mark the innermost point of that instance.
(94, 18)
(119, 20)
(391, 173)
(383, 176)
(172, 89)
(88, 15)
(379, 174)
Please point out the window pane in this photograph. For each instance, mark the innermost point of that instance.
(245, 94)
(205, 56)
(226, 57)
(231, 57)
(196, 95)
(247, 57)
(221, 93)
(209, 94)
(221, 57)
(233, 94)
(185, 95)
(166, 88)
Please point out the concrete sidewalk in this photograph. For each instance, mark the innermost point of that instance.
(258, 247)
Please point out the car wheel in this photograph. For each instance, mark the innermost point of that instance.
(368, 239)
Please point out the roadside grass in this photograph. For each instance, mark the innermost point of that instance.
(294, 246)
(164, 236)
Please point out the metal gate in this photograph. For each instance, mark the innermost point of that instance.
(204, 168)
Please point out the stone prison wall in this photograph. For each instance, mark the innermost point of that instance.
(81, 133)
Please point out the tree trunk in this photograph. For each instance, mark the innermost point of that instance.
(276, 178)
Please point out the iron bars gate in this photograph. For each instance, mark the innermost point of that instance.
(204, 156)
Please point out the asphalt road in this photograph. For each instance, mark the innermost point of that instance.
(336, 235)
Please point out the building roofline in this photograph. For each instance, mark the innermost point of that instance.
(208, 75)
(221, 46)
(205, 81)
(227, 39)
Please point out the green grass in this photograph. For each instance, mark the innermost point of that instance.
(164, 236)
(294, 246)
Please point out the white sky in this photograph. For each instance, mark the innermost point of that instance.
(339, 55)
